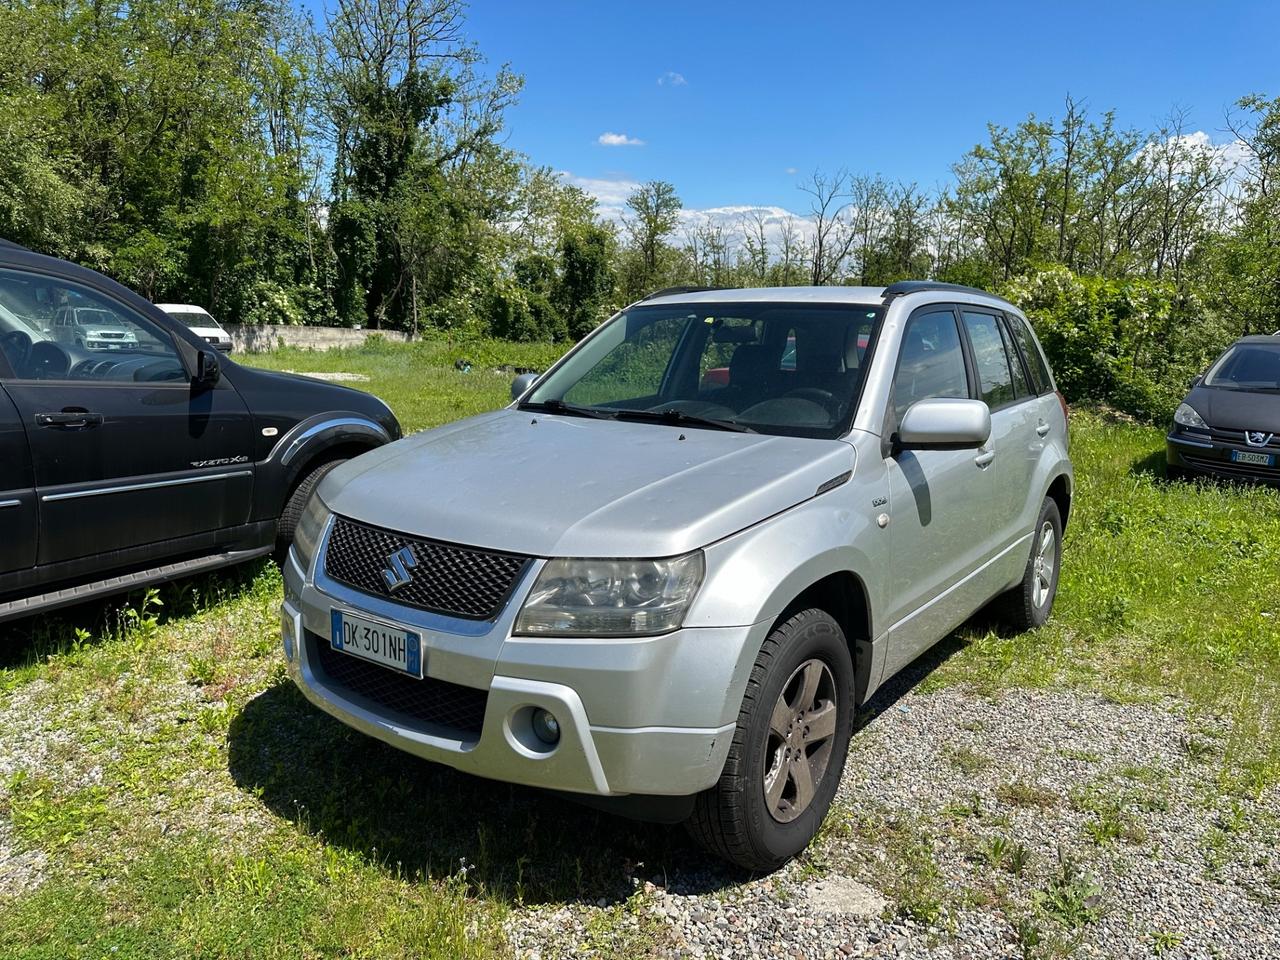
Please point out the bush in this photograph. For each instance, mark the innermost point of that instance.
(1132, 343)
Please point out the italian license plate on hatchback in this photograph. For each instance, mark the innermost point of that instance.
(377, 642)
(1258, 459)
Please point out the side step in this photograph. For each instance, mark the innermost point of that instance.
(14, 609)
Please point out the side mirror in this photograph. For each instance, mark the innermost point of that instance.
(521, 384)
(945, 425)
(208, 369)
(1195, 381)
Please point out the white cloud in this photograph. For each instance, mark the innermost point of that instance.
(611, 195)
(792, 171)
(618, 140)
(672, 79)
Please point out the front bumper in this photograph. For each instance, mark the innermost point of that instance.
(1208, 456)
(648, 716)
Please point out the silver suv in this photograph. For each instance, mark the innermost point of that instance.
(667, 575)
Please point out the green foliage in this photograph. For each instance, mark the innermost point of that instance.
(1133, 342)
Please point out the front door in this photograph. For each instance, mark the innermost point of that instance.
(939, 500)
(125, 451)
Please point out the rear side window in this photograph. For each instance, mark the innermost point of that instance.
(1020, 387)
(995, 375)
(1041, 382)
(931, 362)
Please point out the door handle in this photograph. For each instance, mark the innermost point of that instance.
(69, 419)
(984, 459)
(1042, 429)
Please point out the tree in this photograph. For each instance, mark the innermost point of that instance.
(655, 213)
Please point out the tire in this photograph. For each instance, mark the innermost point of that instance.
(734, 819)
(294, 506)
(1029, 604)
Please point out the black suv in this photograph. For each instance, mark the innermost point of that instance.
(1229, 424)
(143, 455)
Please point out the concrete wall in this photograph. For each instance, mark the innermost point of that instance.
(248, 338)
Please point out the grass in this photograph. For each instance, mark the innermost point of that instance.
(187, 801)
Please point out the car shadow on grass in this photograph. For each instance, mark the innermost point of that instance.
(428, 821)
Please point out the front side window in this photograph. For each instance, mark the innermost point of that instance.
(53, 329)
(1247, 366)
(931, 361)
(785, 369)
(995, 377)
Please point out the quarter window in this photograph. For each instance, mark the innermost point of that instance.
(931, 362)
(1036, 366)
(995, 378)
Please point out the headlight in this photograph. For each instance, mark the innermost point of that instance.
(1186, 416)
(611, 598)
(306, 536)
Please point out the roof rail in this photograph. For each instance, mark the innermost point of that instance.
(672, 291)
(904, 287)
(10, 245)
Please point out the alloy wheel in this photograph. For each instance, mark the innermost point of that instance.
(802, 731)
(1045, 562)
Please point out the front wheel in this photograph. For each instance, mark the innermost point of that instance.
(292, 512)
(788, 750)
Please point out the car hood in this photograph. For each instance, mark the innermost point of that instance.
(1237, 409)
(550, 485)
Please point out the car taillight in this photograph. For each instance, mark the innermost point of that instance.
(1066, 410)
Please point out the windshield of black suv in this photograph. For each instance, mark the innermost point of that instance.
(779, 368)
(1247, 366)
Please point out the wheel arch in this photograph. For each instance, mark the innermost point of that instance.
(1060, 493)
(311, 442)
(842, 594)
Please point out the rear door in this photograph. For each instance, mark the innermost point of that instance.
(124, 451)
(17, 489)
(1002, 384)
(939, 500)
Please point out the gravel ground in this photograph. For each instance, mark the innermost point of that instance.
(1126, 848)
(1031, 823)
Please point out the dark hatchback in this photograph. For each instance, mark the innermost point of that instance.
(1229, 424)
(151, 456)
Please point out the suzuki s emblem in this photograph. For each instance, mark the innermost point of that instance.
(396, 574)
(1256, 438)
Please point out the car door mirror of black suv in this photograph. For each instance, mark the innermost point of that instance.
(208, 369)
(944, 424)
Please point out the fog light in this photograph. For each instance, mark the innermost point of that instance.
(546, 727)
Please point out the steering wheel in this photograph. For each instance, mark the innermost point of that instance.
(17, 349)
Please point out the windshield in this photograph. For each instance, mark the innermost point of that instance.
(96, 318)
(10, 322)
(1247, 366)
(196, 320)
(779, 368)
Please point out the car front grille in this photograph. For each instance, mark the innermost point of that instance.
(446, 578)
(1236, 438)
(430, 700)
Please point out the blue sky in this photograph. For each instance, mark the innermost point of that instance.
(752, 91)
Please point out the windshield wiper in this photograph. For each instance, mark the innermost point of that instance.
(572, 409)
(680, 417)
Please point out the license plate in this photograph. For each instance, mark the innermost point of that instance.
(1260, 459)
(377, 642)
